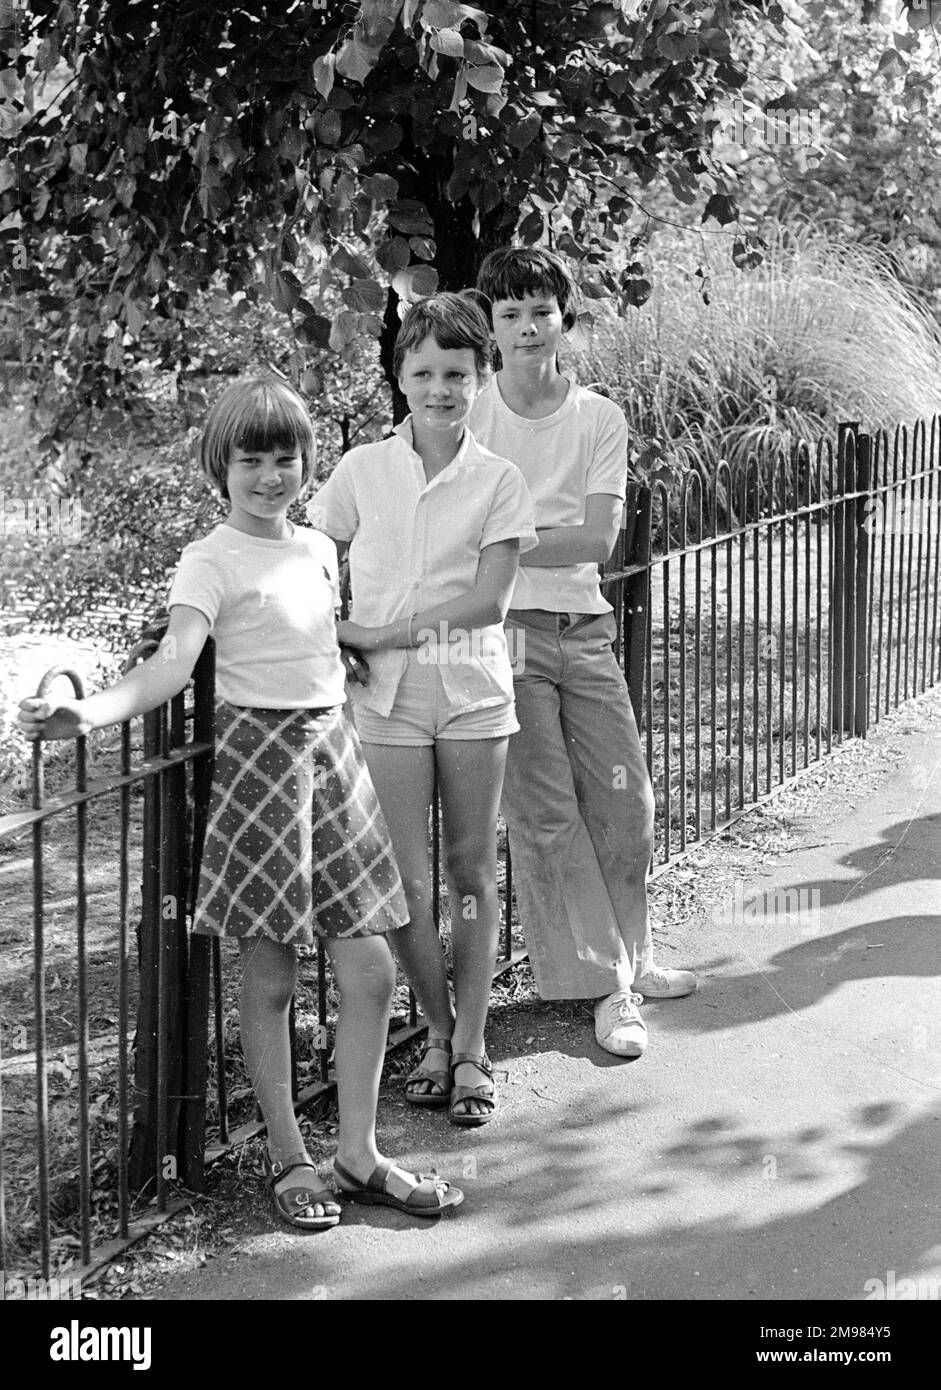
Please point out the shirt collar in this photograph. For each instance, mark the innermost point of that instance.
(468, 450)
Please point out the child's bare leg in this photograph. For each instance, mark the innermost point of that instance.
(404, 781)
(365, 975)
(269, 975)
(470, 774)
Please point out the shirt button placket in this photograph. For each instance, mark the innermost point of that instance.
(418, 549)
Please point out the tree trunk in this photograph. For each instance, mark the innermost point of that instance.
(459, 253)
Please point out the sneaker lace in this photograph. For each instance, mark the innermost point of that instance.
(624, 1008)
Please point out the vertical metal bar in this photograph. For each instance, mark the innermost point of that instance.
(174, 928)
(637, 550)
(819, 587)
(221, 1089)
(163, 982)
(892, 511)
(851, 584)
(936, 462)
(84, 1142)
(508, 905)
(914, 531)
(614, 592)
(838, 599)
(834, 594)
(908, 548)
(740, 714)
(714, 656)
(729, 619)
(195, 950)
(927, 663)
(756, 634)
(805, 456)
(697, 659)
(292, 1043)
(769, 621)
(648, 685)
(861, 586)
(782, 620)
(684, 496)
(894, 662)
(920, 461)
(880, 513)
(144, 1149)
(3, 1183)
(436, 856)
(667, 799)
(795, 604)
(124, 1205)
(324, 1050)
(39, 1011)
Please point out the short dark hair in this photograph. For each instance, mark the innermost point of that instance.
(515, 271)
(453, 320)
(262, 412)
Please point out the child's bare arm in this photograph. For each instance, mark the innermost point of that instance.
(155, 681)
(354, 664)
(590, 543)
(483, 605)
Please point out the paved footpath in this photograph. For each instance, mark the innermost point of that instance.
(779, 1139)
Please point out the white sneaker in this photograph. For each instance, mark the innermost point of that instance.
(619, 1028)
(661, 983)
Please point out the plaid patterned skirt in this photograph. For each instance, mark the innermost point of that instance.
(296, 844)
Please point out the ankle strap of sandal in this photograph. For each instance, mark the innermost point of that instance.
(443, 1044)
(295, 1160)
(482, 1061)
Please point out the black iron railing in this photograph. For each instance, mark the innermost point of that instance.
(769, 617)
(159, 1126)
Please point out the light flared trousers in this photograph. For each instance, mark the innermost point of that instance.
(578, 806)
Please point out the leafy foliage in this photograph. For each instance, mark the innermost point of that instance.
(871, 74)
(142, 494)
(315, 149)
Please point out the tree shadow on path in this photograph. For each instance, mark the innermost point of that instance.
(801, 975)
(551, 1217)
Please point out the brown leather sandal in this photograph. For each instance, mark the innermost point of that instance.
(294, 1203)
(432, 1197)
(423, 1073)
(485, 1092)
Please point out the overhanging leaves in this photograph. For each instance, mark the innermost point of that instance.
(311, 155)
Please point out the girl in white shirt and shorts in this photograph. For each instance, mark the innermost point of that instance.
(435, 525)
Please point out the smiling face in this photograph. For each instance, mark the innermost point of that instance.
(527, 331)
(262, 484)
(440, 385)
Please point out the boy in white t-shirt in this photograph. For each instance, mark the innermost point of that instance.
(577, 797)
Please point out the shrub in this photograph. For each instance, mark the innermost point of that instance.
(141, 491)
(821, 332)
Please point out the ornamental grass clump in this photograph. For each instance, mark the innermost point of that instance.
(820, 333)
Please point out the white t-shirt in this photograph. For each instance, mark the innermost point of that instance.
(415, 544)
(579, 449)
(271, 606)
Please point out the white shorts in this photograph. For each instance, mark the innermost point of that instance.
(422, 713)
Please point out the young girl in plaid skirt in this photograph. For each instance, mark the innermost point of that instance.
(296, 844)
